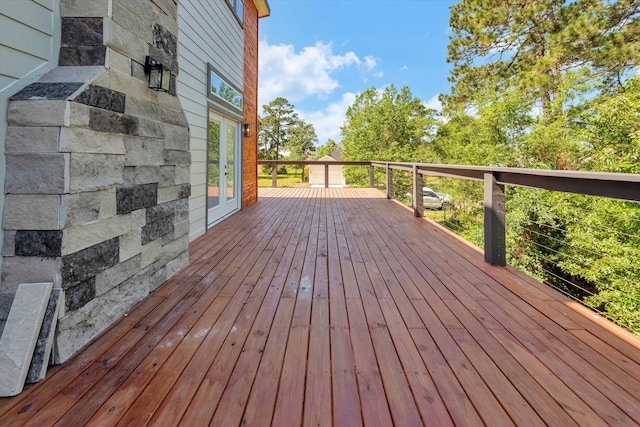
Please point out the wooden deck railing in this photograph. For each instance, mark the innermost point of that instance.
(611, 185)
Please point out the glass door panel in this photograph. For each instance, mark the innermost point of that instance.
(230, 166)
(213, 164)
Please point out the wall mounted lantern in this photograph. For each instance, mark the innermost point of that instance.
(247, 130)
(159, 77)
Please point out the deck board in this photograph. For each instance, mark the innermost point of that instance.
(338, 307)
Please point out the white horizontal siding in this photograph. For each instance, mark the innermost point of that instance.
(208, 32)
(29, 40)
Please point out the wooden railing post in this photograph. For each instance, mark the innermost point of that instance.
(326, 175)
(495, 251)
(372, 176)
(274, 174)
(418, 200)
(389, 182)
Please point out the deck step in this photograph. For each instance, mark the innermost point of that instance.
(20, 335)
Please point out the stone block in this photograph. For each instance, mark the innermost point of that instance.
(81, 208)
(184, 191)
(117, 274)
(108, 206)
(143, 151)
(8, 248)
(79, 327)
(119, 62)
(156, 229)
(72, 73)
(82, 31)
(147, 175)
(140, 8)
(124, 41)
(182, 209)
(20, 335)
(176, 138)
(50, 91)
(32, 139)
(182, 175)
(174, 117)
(137, 197)
(134, 87)
(77, 115)
(181, 228)
(38, 173)
(138, 218)
(166, 176)
(40, 360)
(102, 97)
(39, 243)
(129, 173)
(82, 56)
(110, 121)
(17, 270)
(32, 212)
(130, 245)
(78, 295)
(177, 265)
(132, 22)
(89, 172)
(157, 278)
(149, 129)
(177, 158)
(169, 7)
(80, 266)
(144, 109)
(166, 21)
(36, 113)
(151, 253)
(84, 8)
(79, 238)
(81, 140)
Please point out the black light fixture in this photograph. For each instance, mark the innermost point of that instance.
(247, 130)
(159, 77)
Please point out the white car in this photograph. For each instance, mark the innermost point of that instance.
(433, 200)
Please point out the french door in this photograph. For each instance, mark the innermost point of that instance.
(223, 167)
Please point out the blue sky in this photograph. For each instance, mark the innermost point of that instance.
(319, 54)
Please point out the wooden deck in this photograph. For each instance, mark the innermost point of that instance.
(323, 307)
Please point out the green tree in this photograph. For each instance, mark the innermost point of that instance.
(301, 142)
(534, 45)
(274, 128)
(385, 125)
(329, 147)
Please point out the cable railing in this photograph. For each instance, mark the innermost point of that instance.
(578, 232)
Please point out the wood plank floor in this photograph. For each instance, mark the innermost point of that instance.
(320, 307)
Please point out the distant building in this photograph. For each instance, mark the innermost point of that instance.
(336, 173)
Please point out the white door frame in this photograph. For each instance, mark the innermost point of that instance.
(225, 198)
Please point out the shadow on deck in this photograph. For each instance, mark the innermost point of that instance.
(338, 307)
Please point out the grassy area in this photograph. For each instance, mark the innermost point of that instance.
(284, 180)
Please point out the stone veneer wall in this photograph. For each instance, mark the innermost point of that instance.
(250, 145)
(97, 177)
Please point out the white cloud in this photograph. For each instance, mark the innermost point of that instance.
(404, 68)
(327, 122)
(298, 75)
(434, 103)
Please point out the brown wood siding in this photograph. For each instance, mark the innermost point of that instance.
(250, 145)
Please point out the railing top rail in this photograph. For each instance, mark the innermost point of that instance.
(315, 162)
(622, 186)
